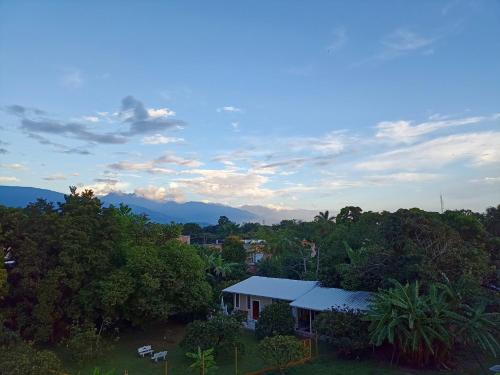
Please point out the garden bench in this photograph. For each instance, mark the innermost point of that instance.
(145, 350)
(159, 355)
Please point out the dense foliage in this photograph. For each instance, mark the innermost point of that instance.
(275, 319)
(81, 263)
(222, 333)
(279, 351)
(20, 358)
(345, 330)
(423, 327)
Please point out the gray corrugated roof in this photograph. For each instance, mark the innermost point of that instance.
(284, 289)
(322, 299)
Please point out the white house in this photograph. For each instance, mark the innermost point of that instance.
(306, 299)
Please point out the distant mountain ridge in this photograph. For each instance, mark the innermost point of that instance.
(161, 212)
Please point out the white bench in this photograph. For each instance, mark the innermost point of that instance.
(145, 350)
(159, 355)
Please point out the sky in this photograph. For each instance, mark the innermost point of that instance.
(285, 104)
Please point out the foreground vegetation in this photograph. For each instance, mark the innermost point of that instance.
(81, 276)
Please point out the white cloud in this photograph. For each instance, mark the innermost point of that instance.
(389, 179)
(156, 166)
(106, 187)
(226, 184)
(401, 42)
(159, 139)
(486, 180)
(232, 186)
(160, 112)
(160, 193)
(6, 179)
(405, 40)
(229, 109)
(14, 166)
(55, 177)
(91, 118)
(478, 148)
(405, 132)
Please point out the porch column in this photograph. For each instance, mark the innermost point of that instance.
(310, 322)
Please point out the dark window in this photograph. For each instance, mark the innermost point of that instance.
(237, 297)
(248, 302)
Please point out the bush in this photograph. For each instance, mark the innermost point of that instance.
(86, 344)
(279, 351)
(276, 319)
(222, 333)
(23, 359)
(346, 330)
(233, 250)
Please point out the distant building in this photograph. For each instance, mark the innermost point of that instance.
(256, 251)
(185, 239)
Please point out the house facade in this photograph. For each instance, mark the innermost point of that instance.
(306, 299)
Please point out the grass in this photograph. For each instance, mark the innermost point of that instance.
(123, 357)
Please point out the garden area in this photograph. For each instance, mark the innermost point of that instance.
(123, 357)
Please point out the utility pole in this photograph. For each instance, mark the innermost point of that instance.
(442, 202)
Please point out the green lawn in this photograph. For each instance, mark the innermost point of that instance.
(123, 357)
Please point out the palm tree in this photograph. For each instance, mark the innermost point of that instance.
(220, 267)
(324, 217)
(325, 223)
(416, 325)
(203, 360)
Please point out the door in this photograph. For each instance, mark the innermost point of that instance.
(255, 310)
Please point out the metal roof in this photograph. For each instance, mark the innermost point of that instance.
(322, 299)
(284, 289)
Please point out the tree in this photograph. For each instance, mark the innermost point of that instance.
(23, 359)
(203, 360)
(349, 214)
(424, 327)
(221, 332)
(279, 351)
(86, 344)
(233, 250)
(275, 319)
(416, 325)
(345, 329)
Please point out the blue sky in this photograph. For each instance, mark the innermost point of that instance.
(281, 103)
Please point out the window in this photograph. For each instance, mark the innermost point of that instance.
(237, 300)
(248, 302)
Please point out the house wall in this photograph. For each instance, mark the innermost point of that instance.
(263, 302)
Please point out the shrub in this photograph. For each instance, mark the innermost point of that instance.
(276, 319)
(86, 344)
(346, 330)
(222, 333)
(203, 361)
(279, 351)
(23, 359)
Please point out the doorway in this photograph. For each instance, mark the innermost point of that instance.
(255, 310)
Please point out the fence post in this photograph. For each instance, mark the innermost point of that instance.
(236, 360)
(166, 367)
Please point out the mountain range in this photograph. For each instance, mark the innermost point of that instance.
(163, 211)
